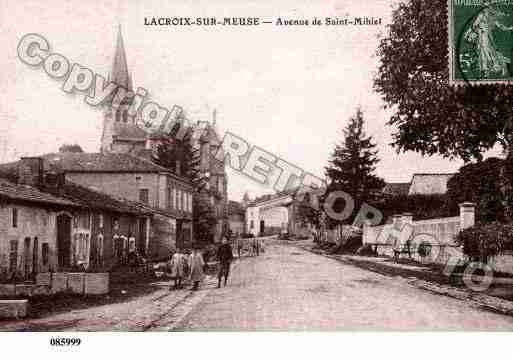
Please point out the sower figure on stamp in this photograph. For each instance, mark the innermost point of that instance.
(481, 32)
(225, 257)
(196, 265)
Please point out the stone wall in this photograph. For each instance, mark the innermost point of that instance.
(31, 223)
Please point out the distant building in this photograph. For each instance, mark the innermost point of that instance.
(236, 218)
(429, 183)
(421, 183)
(274, 214)
(396, 189)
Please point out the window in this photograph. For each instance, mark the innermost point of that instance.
(15, 217)
(143, 195)
(84, 220)
(13, 256)
(178, 168)
(44, 253)
(100, 220)
(182, 207)
(173, 195)
(251, 224)
(177, 199)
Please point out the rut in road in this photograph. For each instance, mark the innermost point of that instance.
(170, 319)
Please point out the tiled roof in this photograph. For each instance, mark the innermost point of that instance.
(18, 192)
(96, 200)
(429, 183)
(101, 162)
(396, 189)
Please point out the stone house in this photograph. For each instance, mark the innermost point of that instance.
(133, 178)
(48, 224)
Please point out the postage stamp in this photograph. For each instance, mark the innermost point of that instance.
(480, 41)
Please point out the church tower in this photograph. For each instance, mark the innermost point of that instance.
(120, 132)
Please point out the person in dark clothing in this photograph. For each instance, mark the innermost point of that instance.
(225, 257)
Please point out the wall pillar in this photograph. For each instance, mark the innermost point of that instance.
(467, 215)
(407, 218)
(396, 220)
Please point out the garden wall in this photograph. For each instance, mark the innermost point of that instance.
(53, 283)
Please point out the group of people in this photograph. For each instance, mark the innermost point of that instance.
(192, 266)
(251, 245)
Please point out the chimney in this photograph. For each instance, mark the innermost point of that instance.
(30, 171)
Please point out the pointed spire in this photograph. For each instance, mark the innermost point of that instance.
(119, 72)
(214, 117)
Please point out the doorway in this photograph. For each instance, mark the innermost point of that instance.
(63, 240)
(26, 258)
(35, 258)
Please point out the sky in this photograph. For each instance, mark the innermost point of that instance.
(289, 90)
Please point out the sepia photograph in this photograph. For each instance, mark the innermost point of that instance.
(333, 166)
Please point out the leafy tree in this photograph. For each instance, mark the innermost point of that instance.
(180, 156)
(70, 148)
(204, 220)
(429, 115)
(353, 162)
(477, 182)
(307, 211)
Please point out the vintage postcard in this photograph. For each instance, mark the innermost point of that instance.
(252, 166)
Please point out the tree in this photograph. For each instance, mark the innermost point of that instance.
(353, 162)
(204, 220)
(181, 158)
(307, 211)
(477, 182)
(178, 155)
(431, 116)
(70, 148)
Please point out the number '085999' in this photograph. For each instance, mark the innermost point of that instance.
(65, 342)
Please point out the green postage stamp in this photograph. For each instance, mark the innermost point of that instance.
(480, 41)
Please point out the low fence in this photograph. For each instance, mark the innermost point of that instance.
(53, 283)
(438, 234)
(436, 237)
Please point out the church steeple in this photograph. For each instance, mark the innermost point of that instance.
(120, 132)
(119, 73)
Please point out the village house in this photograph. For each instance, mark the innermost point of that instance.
(274, 214)
(50, 225)
(136, 179)
(421, 183)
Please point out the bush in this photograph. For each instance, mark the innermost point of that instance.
(477, 182)
(420, 205)
(481, 242)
